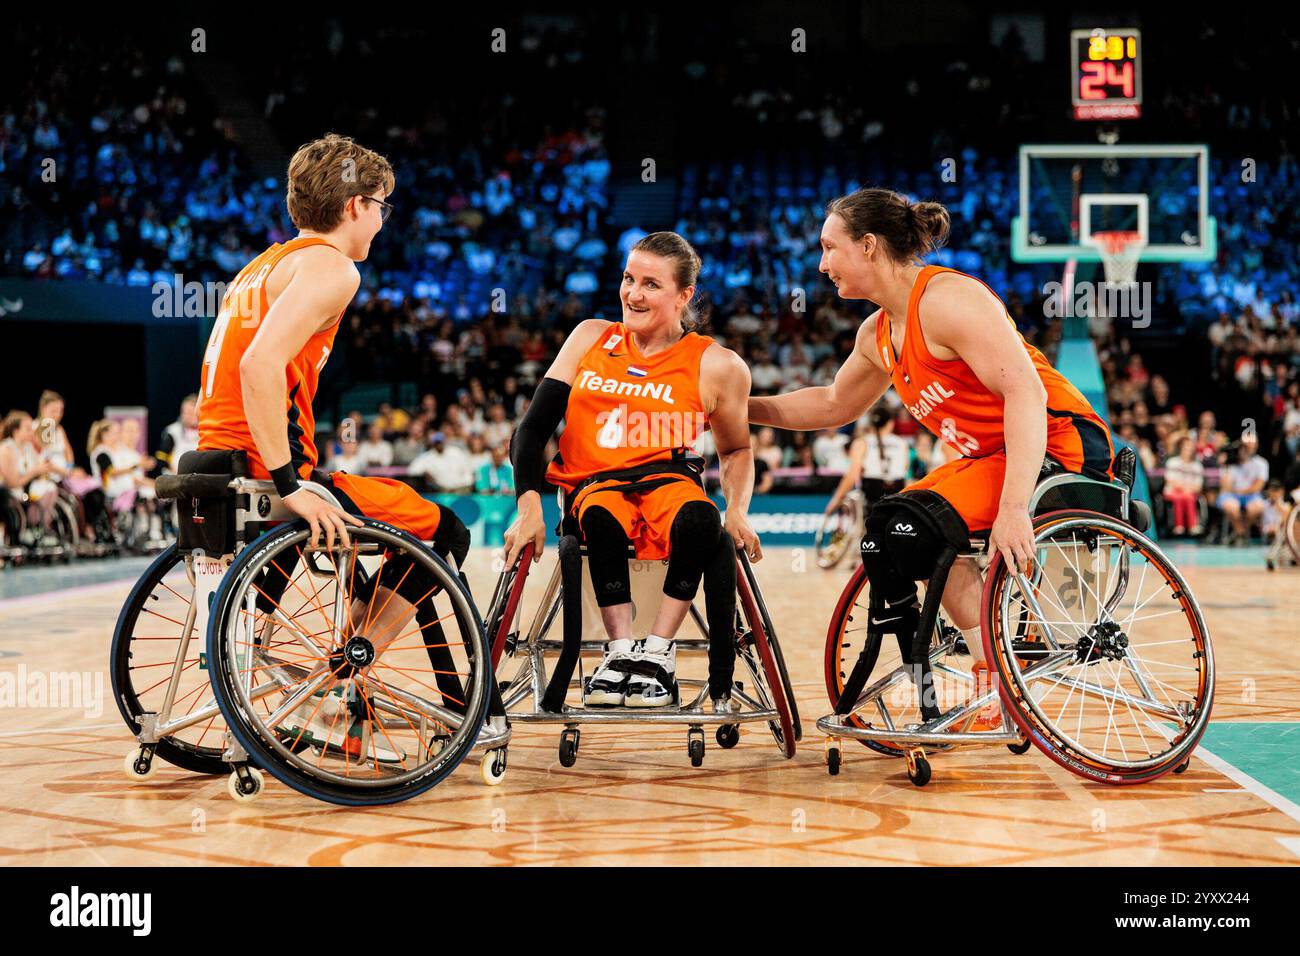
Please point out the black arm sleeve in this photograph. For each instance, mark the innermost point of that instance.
(528, 444)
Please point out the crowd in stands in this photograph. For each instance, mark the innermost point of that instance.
(502, 241)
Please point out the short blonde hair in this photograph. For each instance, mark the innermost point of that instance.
(325, 173)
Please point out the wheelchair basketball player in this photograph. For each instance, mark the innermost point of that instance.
(634, 396)
(946, 343)
(260, 371)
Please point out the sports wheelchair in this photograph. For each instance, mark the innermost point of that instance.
(840, 529)
(760, 693)
(1101, 655)
(291, 646)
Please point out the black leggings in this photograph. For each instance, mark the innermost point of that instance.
(693, 537)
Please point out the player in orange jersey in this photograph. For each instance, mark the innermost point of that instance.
(635, 395)
(270, 341)
(947, 345)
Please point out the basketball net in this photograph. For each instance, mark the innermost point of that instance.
(1120, 252)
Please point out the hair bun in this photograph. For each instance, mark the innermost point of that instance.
(933, 224)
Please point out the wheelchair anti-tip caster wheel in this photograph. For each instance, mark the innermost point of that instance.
(569, 747)
(1182, 767)
(833, 758)
(139, 764)
(695, 746)
(918, 768)
(1020, 748)
(728, 735)
(245, 783)
(493, 767)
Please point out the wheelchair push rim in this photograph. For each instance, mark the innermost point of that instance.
(773, 690)
(389, 723)
(1121, 692)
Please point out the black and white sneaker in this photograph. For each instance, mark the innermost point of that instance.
(653, 668)
(607, 686)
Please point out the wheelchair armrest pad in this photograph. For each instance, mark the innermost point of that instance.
(192, 486)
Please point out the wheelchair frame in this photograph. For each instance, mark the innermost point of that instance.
(911, 742)
(256, 503)
(757, 649)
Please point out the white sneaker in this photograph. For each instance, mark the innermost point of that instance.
(652, 682)
(607, 686)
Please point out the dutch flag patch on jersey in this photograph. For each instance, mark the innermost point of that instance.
(638, 372)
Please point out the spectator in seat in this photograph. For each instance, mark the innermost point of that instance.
(1241, 495)
(496, 476)
(412, 445)
(1184, 480)
(767, 449)
(497, 430)
(376, 451)
(445, 465)
(348, 459)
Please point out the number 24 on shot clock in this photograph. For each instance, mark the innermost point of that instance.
(1106, 73)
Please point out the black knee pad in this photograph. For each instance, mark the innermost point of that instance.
(452, 537)
(607, 546)
(693, 539)
(912, 531)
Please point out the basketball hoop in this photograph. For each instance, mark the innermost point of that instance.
(1120, 252)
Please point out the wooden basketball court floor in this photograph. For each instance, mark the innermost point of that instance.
(634, 799)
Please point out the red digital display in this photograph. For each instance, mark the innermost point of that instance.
(1107, 73)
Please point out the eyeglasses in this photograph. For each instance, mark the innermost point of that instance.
(386, 209)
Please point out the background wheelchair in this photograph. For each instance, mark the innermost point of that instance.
(1102, 656)
(840, 531)
(283, 652)
(761, 690)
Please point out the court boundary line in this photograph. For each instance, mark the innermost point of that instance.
(1249, 783)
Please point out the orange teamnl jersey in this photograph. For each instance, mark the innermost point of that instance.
(222, 423)
(947, 398)
(627, 410)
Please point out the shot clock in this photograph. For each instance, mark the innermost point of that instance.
(1107, 73)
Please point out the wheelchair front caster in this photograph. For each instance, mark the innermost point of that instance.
(493, 767)
(918, 768)
(569, 747)
(728, 735)
(245, 783)
(139, 764)
(695, 746)
(833, 759)
(1182, 767)
(1020, 748)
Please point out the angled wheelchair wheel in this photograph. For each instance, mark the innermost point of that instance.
(847, 640)
(1292, 532)
(758, 650)
(747, 572)
(839, 532)
(1121, 689)
(329, 691)
(150, 630)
